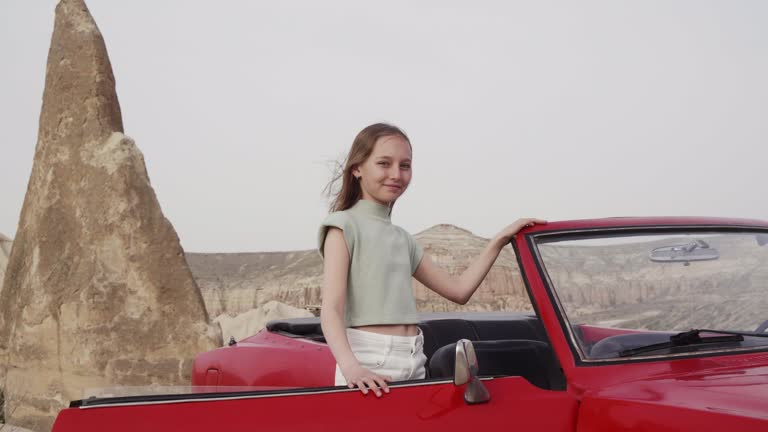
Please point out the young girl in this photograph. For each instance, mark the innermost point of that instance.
(368, 311)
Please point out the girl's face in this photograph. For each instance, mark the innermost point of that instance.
(385, 175)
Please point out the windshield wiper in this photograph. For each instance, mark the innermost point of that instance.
(691, 337)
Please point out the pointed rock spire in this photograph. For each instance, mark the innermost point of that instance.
(97, 291)
(5, 252)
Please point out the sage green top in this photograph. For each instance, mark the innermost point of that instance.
(382, 259)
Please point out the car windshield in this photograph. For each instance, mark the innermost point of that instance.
(618, 293)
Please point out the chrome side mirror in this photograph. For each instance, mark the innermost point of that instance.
(465, 372)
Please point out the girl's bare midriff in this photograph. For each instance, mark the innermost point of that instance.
(392, 329)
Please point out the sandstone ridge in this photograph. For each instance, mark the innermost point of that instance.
(5, 252)
(97, 291)
(617, 286)
(238, 282)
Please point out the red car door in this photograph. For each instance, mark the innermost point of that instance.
(430, 405)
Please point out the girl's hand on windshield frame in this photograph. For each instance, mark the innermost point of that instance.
(506, 234)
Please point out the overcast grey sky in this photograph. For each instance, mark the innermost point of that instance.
(558, 110)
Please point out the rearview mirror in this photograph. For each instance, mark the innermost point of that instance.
(697, 250)
(465, 372)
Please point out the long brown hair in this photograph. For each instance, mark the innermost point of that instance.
(362, 147)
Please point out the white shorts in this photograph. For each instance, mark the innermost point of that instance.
(398, 357)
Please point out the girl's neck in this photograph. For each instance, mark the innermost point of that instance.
(372, 208)
(381, 203)
(368, 197)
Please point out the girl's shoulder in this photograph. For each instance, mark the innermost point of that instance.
(342, 220)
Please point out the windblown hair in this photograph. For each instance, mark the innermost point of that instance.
(350, 192)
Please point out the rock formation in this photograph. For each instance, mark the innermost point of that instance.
(454, 249)
(249, 323)
(97, 291)
(5, 252)
(236, 283)
(12, 428)
(619, 286)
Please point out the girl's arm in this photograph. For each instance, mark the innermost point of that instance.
(459, 289)
(334, 292)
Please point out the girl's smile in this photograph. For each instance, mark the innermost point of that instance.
(385, 175)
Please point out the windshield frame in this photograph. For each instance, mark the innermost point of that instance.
(533, 241)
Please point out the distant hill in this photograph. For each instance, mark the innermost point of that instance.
(234, 283)
(618, 285)
(454, 249)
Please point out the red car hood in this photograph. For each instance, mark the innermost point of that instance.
(733, 395)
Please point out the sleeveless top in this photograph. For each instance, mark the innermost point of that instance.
(383, 257)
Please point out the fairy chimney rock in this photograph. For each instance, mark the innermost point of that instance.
(97, 291)
(5, 251)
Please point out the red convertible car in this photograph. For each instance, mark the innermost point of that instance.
(640, 324)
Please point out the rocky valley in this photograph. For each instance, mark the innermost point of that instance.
(233, 284)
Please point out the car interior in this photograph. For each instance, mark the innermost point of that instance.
(508, 344)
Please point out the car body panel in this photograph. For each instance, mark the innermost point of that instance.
(725, 398)
(424, 406)
(266, 360)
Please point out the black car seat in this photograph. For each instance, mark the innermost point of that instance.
(445, 331)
